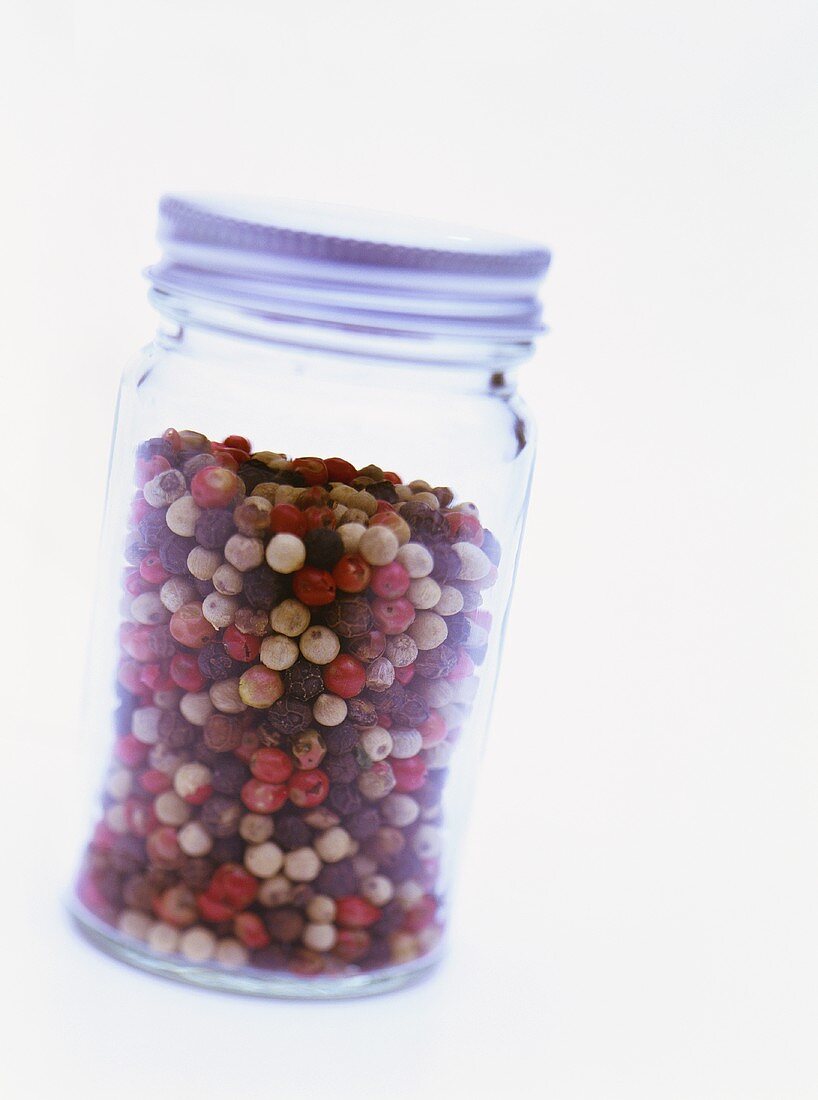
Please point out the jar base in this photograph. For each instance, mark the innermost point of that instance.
(256, 983)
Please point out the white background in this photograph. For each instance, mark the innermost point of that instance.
(638, 913)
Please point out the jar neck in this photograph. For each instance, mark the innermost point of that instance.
(199, 327)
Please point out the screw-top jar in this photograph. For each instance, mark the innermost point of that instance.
(319, 477)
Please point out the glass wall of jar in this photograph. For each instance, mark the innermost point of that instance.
(319, 477)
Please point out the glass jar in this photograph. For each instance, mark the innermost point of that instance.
(293, 658)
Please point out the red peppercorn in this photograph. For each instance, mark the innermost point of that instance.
(234, 885)
(345, 676)
(314, 587)
(185, 672)
(148, 468)
(140, 817)
(338, 469)
(433, 730)
(352, 944)
(308, 788)
(263, 798)
(240, 646)
(356, 912)
(170, 435)
(410, 775)
(318, 516)
(420, 916)
(390, 475)
(313, 470)
(130, 751)
(464, 528)
(157, 677)
(393, 616)
(251, 930)
(153, 781)
(271, 765)
(390, 581)
(352, 573)
(214, 909)
(152, 570)
(250, 741)
(215, 486)
(288, 520)
(238, 441)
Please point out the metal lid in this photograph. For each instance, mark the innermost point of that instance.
(344, 266)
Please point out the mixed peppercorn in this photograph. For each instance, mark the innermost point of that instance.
(298, 655)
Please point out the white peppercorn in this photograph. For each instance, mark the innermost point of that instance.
(278, 652)
(291, 617)
(474, 565)
(224, 695)
(196, 707)
(333, 845)
(163, 489)
(197, 944)
(377, 889)
(406, 743)
(182, 515)
(227, 579)
(163, 938)
(170, 809)
(416, 560)
(176, 592)
(350, 536)
(147, 608)
(450, 602)
(134, 924)
(320, 909)
(428, 631)
(320, 645)
(219, 610)
(376, 743)
(202, 563)
(400, 810)
(275, 891)
(378, 545)
(423, 593)
(263, 860)
(256, 828)
(145, 724)
(231, 954)
(244, 553)
(194, 839)
(320, 937)
(329, 709)
(427, 842)
(285, 553)
(302, 865)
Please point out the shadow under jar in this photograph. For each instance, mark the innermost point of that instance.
(319, 477)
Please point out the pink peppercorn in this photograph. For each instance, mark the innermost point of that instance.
(234, 885)
(463, 666)
(153, 781)
(410, 775)
(240, 646)
(185, 672)
(405, 675)
(352, 944)
(308, 788)
(163, 848)
(271, 765)
(189, 627)
(314, 587)
(286, 519)
(433, 730)
(356, 912)
(393, 616)
(390, 581)
(251, 930)
(263, 798)
(214, 909)
(345, 676)
(238, 442)
(313, 470)
(152, 570)
(338, 469)
(215, 487)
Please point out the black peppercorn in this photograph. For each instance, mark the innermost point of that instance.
(363, 824)
(383, 490)
(287, 717)
(340, 739)
(446, 563)
(214, 527)
(151, 448)
(344, 798)
(222, 733)
(303, 680)
(216, 663)
(336, 879)
(152, 528)
(459, 628)
(175, 731)
(228, 849)
(361, 712)
(229, 775)
(349, 618)
(291, 832)
(196, 872)
(324, 548)
(434, 664)
(221, 815)
(263, 588)
(173, 553)
(391, 918)
(341, 769)
(412, 710)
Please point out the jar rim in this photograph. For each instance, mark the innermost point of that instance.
(343, 265)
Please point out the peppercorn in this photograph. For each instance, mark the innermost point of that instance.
(329, 710)
(303, 680)
(361, 712)
(230, 775)
(215, 663)
(221, 815)
(324, 548)
(344, 798)
(287, 717)
(341, 769)
(363, 824)
(434, 664)
(263, 588)
(175, 731)
(336, 879)
(341, 739)
(291, 832)
(174, 552)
